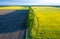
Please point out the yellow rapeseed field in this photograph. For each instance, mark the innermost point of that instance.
(14, 8)
(43, 23)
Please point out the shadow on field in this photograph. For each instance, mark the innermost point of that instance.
(14, 21)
